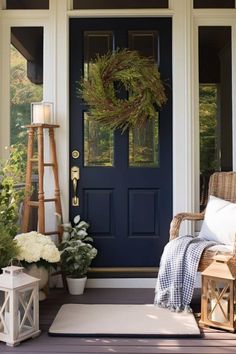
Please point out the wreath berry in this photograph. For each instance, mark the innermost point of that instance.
(140, 78)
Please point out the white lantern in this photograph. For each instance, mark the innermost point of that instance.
(42, 113)
(19, 306)
(218, 302)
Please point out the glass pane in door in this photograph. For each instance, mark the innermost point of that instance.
(146, 43)
(143, 145)
(98, 140)
(96, 43)
(143, 141)
(98, 144)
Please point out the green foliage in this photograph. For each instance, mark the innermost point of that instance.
(22, 93)
(76, 251)
(8, 247)
(208, 125)
(12, 174)
(114, 72)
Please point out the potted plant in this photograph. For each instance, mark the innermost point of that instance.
(37, 253)
(77, 254)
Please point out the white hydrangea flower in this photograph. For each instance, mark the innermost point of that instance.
(34, 247)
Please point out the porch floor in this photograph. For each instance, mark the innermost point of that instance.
(213, 341)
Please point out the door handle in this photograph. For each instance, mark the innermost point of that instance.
(75, 176)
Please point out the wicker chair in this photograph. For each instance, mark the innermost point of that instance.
(221, 185)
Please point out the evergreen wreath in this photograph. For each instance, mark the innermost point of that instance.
(123, 69)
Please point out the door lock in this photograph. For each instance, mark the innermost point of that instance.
(75, 154)
(75, 176)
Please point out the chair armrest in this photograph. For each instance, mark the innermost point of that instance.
(176, 222)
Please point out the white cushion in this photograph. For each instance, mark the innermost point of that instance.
(219, 224)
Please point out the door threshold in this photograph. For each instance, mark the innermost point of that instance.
(123, 272)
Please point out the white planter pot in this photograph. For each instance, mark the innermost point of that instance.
(40, 273)
(76, 285)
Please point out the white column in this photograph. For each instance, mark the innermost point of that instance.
(62, 98)
(183, 120)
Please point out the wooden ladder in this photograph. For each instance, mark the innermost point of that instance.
(31, 160)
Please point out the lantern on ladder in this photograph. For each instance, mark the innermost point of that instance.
(19, 306)
(218, 294)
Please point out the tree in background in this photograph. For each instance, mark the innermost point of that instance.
(22, 93)
(208, 125)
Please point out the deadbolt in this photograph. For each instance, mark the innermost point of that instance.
(75, 154)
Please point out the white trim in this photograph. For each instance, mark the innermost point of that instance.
(148, 283)
(2, 4)
(26, 14)
(183, 180)
(122, 283)
(62, 98)
(214, 14)
(121, 13)
(70, 5)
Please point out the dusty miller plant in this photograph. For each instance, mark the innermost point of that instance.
(77, 252)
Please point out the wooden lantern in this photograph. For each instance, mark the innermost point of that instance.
(218, 294)
(19, 306)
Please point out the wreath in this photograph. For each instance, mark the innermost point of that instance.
(114, 72)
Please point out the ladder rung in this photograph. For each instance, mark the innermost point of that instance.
(36, 203)
(49, 164)
(46, 164)
(51, 233)
(33, 203)
(50, 200)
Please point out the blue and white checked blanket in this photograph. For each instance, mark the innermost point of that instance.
(177, 273)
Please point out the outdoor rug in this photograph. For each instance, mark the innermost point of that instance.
(122, 321)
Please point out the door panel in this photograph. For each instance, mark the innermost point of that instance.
(125, 186)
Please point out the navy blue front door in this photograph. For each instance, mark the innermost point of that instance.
(125, 185)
